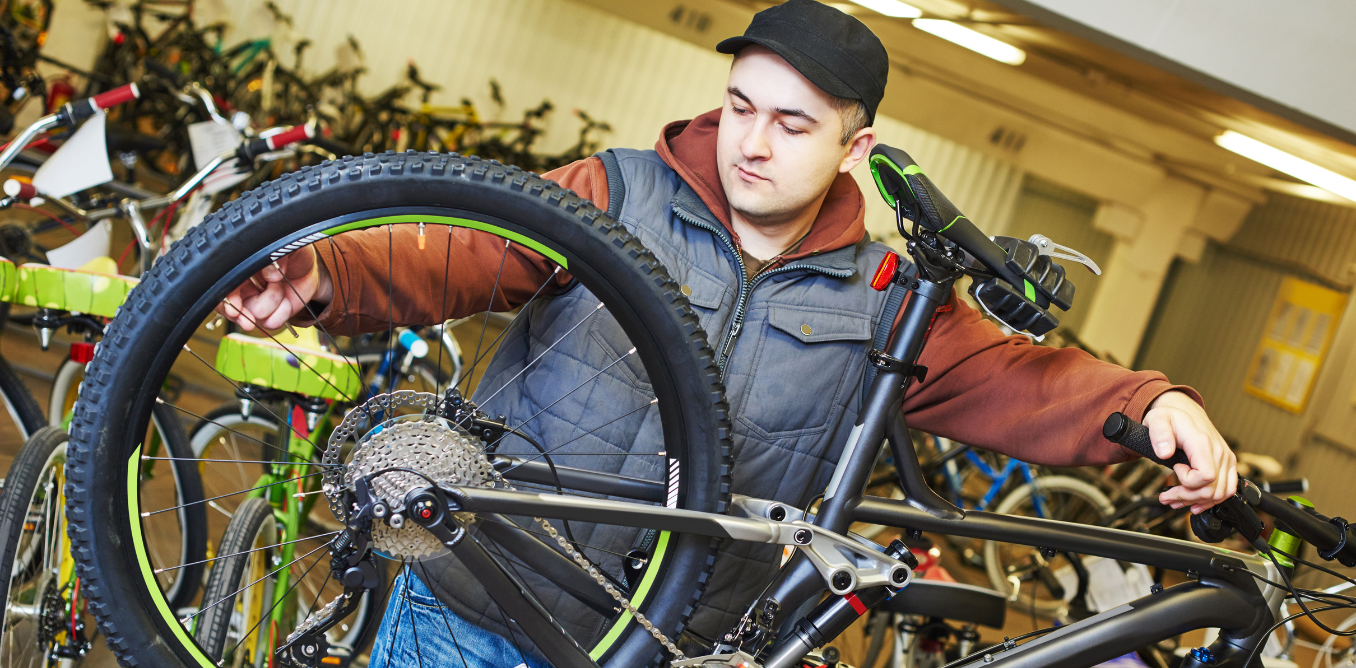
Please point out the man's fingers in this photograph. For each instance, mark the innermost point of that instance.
(1161, 434)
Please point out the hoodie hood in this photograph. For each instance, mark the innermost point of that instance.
(689, 148)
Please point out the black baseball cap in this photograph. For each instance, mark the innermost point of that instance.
(836, 52)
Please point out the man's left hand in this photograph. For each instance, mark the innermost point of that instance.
(1175, 421)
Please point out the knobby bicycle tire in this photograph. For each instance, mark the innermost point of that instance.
(241, 238)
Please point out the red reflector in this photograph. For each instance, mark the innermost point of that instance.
(885, 273)
(81, 352)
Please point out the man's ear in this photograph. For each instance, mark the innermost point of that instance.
(857, 149)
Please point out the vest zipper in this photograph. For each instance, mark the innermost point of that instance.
(737, 319)
(745, 287)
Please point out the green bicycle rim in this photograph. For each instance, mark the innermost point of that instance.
(144, 561)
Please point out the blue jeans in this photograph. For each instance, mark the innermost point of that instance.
(419, 630)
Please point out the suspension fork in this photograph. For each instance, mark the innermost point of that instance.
(879, 419)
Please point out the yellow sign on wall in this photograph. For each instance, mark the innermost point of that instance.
(1295, 341)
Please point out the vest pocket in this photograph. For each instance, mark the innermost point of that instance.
(803, 366)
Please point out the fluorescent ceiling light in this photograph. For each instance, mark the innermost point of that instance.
(893, 8)
(1284, 162)
(974, 41)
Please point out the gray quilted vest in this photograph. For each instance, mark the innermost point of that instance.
(792, 347)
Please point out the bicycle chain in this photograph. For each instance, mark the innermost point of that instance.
(409, 398)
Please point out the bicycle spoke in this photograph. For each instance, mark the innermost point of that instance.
(543, 354)
(471, 374)
(562, 397)
(405, 583)
(414, 628)
(261, 579)
(513, 637)
(572, 454)
(237, 386)
(239, 461)
(243, 491)
(289, 351)
(353, 363)
(276, 603)
(442, 310)
(523, 309)
(448, 623)
(542, 533)
(257, 549)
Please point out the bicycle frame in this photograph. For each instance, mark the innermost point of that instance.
(1221, 594)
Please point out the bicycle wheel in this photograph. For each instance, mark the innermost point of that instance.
(188, 536)
(241, 589)
(38, 625)
(19, 402)
(1022, 572)
(683, 447)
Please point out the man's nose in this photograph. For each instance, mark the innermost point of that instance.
(755, 145)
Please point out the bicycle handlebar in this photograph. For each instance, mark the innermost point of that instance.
(900, 179)
(20, 189)
(1332, 536)
(79, 110)
(292, 135)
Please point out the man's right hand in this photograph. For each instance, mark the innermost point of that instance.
(273, 296)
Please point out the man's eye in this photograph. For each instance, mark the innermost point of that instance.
(739, 110)
(792, 131)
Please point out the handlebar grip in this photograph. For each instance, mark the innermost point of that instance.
(291, 135)
(116, 96)
(20, 189)
(79, 110)
(1120, 429)
(900, 179)
(1298, 486)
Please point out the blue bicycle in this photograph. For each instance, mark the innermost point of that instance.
(976, 479)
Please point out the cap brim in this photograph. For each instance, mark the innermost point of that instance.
(820, 77)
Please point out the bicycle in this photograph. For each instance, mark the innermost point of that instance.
(1044, 496)
(626, 606)
(78, 301)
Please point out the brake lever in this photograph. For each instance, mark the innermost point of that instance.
(1046, 246)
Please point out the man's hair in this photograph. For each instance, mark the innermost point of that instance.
(853, 114)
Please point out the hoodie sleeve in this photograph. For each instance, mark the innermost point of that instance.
(380, 275)
(1038, 404)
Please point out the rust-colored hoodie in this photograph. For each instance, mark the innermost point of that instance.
(1042, 405)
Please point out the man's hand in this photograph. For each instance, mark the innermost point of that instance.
(1174, 421)
(269, 301)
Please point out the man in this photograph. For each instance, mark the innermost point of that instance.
(752, 203)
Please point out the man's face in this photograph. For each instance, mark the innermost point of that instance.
(779, 145)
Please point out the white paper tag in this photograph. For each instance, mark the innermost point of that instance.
(222, 178)
(1108, 585)
(80, 164)
(210, 139)
(86, 247)
(197, 208)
